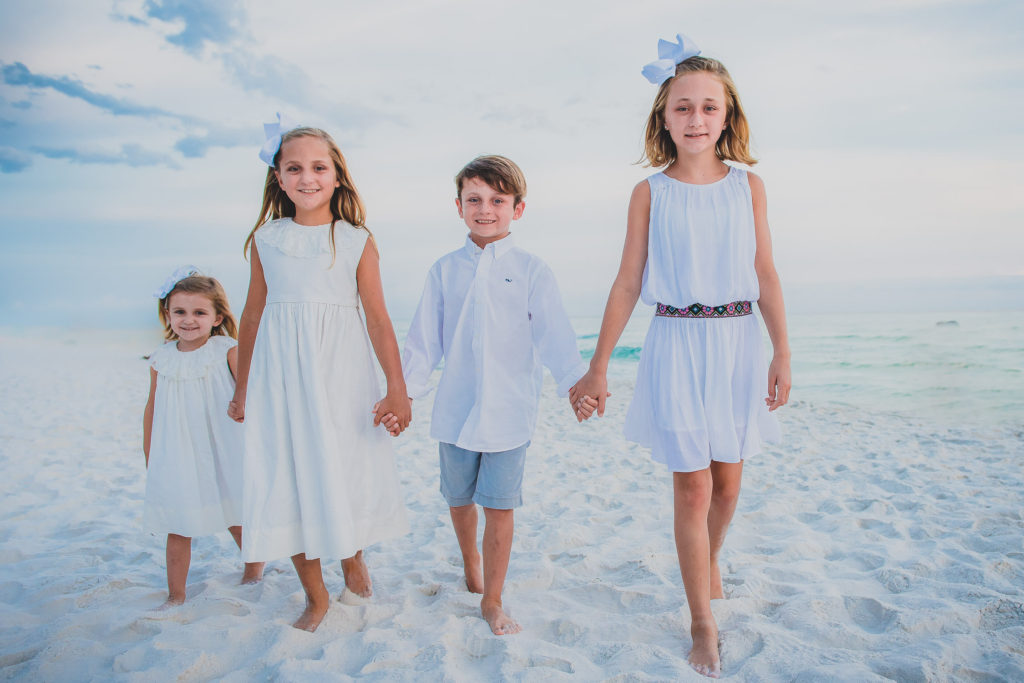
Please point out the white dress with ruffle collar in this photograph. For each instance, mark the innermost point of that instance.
(194, 479)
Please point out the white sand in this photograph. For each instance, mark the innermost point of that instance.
(868, 548)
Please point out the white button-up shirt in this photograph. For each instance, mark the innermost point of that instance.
(495, 315)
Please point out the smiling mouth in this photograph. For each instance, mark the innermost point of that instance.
(309, 191)
(483, 222)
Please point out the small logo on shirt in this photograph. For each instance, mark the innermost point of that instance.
(508, 280)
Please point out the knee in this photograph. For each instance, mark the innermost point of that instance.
(725, 494)
(494, 514)
(692, 495)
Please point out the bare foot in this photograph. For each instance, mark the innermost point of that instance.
(716, 580)
(501, 624)
(314, 613)
(172, 601)
(703, 657)
(474, 574)
(357, 576)
(253, 573)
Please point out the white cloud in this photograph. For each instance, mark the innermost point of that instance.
(883, 129)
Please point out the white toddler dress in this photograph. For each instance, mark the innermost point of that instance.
(319, 478)
(194, 478)
(701, 382)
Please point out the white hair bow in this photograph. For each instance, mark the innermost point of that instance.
(669, 55)
(274, 131)
(174, 278)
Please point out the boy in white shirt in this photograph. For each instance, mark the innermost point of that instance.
(494, 313)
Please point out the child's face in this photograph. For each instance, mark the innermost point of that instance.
(695, 112)
(487, 212)
(306, 174)
(192, 317)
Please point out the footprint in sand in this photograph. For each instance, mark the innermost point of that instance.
(1002, 614)
(869, 614)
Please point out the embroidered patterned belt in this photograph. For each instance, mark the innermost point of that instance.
(733, 310)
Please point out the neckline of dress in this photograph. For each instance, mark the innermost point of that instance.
(712, 183)
(291, 221)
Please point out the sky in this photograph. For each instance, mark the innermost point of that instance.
(888, 133)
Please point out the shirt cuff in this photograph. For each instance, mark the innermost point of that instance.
(571, 378)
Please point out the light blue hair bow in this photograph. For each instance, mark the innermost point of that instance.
(669, 55)
(174, 278)
(274, 131)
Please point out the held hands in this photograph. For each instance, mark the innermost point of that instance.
(581, 395)
(236, 408)
(779, 383)
(395, 413)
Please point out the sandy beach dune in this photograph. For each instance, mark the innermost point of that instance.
(867, 547)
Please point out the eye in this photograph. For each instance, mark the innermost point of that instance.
(472, 200)
(499, 201)
(292, 169)
(681, 108)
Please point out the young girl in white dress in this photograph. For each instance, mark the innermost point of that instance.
(193, 450)
(320, 479)
(698, 248)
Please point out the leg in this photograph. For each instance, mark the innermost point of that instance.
(253, 572)
(692, 494)
(357, 576)
(464, 521)
(725, 491)
(179, 557)
(317, 598)
(498, 529)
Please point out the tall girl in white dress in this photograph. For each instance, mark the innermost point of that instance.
(319, 478)
(193, 450)
(698, 248)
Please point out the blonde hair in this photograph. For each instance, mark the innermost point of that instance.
(734, 142)
(212, 290)
(346, 205)
(500, 173)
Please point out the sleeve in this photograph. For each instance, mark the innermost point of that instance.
(553, 336)
(424, 345)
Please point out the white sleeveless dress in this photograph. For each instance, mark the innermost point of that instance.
(194, 478)
(319, 478)
(701, 382)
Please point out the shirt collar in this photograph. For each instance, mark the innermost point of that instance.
(500, 248)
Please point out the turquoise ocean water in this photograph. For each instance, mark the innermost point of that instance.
(957, 368)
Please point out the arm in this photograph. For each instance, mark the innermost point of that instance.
(147, 416)
(772, 309)
(382, 336)
(553, 336)
(233, 361)
(424, 344)
(621, 300)
(248, 324)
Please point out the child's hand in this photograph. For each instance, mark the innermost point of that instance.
(584, 407)
(779, 383)
(593, 386)
(236, 410)
(394, 413)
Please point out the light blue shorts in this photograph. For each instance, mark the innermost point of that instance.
(494, 480)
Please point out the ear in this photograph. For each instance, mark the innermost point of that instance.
(458, 205)
(217, 321)
(278, 176)
(520, 207)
